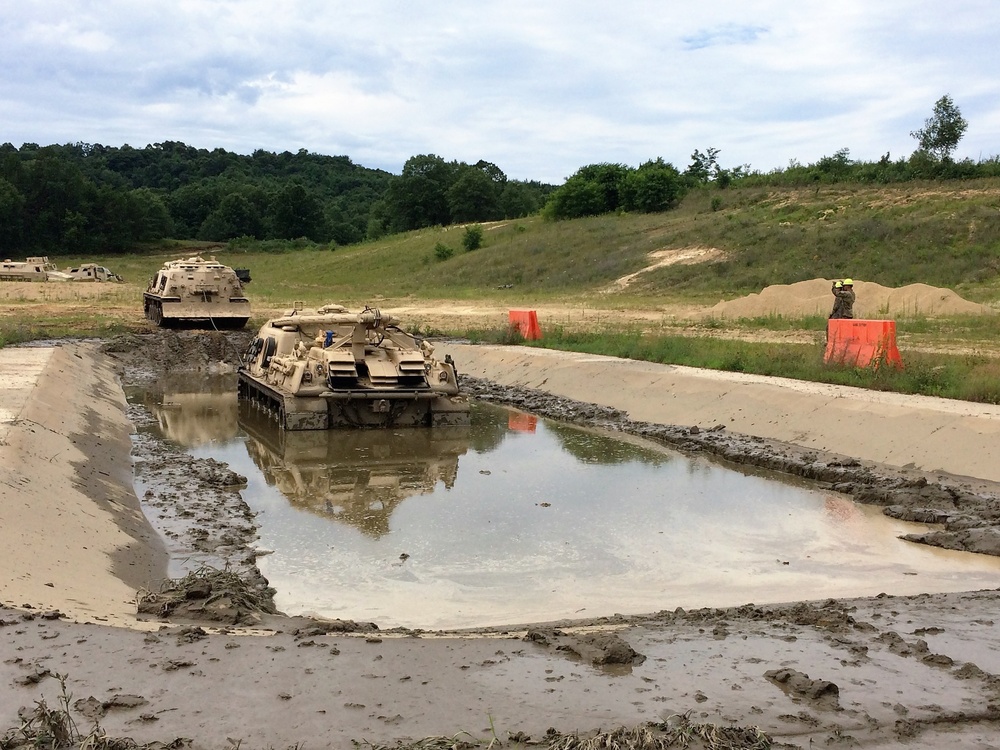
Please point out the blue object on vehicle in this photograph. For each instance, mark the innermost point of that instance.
(328, 340)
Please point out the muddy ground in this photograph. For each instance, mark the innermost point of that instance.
(224, 670)
(221, 528)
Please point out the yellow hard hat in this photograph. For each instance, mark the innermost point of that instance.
(838, 284)
(848, 282)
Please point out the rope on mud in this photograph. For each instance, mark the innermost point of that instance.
(235, 351)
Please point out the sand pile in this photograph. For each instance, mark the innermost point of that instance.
(874, 302)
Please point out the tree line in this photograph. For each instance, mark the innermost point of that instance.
(84, 198)
(657, 186)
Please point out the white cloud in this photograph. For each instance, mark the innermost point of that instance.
(538, 88)
(724, 34)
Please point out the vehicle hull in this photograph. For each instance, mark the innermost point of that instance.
(353, 408)
(168, 312)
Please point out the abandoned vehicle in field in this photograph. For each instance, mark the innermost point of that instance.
(196, 293)
(35, 268)
(40, 268)
(85, 272)
(332, 368)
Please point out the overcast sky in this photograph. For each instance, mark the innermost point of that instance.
(539, 88)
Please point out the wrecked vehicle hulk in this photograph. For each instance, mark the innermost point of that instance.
(35, 268)
(85, 272)
(332, 368)
(40, 268)
(196, 293)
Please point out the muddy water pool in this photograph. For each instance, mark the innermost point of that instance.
(518, 519)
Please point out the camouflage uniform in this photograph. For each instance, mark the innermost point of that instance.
(843, 303)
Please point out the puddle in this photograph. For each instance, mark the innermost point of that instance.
(518, 519)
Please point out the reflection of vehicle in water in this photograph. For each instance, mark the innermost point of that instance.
(194, 418)
(357, 477)
(35, 268)
(332, 368)
(196, 293)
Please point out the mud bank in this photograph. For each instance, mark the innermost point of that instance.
(932, 435)
(916, 672)
(968, 511)
(922, 459)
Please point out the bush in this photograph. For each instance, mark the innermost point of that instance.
(442, 251)
(473, 238)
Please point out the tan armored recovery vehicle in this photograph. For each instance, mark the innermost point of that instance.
(196, 293)
(332, 368)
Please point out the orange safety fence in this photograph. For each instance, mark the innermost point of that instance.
(526, 322)
(859, 343)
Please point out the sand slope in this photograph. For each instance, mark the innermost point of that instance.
(74, 537)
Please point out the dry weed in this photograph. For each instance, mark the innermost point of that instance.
(45, 728)
(676, 732)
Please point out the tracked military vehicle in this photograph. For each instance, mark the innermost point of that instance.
(196, 293)
(332, 368)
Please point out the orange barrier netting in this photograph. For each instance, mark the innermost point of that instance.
(526, 322)
(861, 342)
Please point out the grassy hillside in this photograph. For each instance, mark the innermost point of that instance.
(943, 234)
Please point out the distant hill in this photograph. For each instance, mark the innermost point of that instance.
(719, 244)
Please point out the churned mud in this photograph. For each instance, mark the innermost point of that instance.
(214, 666)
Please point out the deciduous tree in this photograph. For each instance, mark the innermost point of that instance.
(473, 196)
(11, 217)
(654, 186)
(943, 130)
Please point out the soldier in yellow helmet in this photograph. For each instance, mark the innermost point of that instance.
(843, 303)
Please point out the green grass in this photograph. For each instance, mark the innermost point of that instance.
(968, 377)
(19, 329)
(919, 331)
(941, 234)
